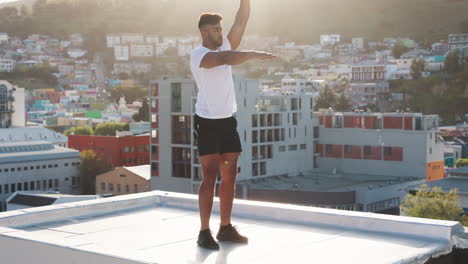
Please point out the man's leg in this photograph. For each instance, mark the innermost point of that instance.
(228, 165)
(210, 167)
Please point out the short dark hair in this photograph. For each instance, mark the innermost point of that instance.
(209, 19)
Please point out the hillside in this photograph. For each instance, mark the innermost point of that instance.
(296, 20)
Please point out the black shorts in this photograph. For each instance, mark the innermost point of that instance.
(214, 136)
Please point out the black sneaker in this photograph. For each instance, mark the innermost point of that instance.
(206, 240)
(230, 233)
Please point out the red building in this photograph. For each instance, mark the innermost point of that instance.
(118, 151)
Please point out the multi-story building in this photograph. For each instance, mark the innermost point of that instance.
(358, 43)
(38, 165)
(329, 39)
(368, 71)
(129, 38)
(7, 65)
(131, 67)
(124, 180)
(276, 131)
(12, 106)
(392, 144)
(3, 37)
(362, 94)
(457, 41)
(289, 85)
(116, 151)
(112, 40)
(121, 52)
(141, 50)
(153, 39)
(30, 134)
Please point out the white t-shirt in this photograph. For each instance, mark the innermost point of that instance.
(216, 95)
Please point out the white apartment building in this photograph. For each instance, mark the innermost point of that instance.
(457, 41)
(7, 65)
(153, 39)
(130, 38)
(389, 144)
(276, 131)
(358, 43)
(12, 106)
(132, 67)
(3, 37)
(330, 39)
(366, 93)
(30, 134)
(112, 40)
(121, 52)
(38, 165)
(141, 50)
(298, 86)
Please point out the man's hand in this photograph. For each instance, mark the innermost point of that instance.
(238, 29)
(263, 55)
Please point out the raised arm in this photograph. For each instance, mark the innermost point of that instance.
(238, 29)
(213, 59)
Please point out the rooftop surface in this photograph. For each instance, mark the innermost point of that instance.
(33, 151)
(158, 227)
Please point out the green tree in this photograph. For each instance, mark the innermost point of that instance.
(452, 62)
(326, 99)
(343, 103)
(109, 128)
(434, 204)
(91, 166)
(82, 131)
(398, 50)
(143, 113)
(417, 68)
(461, 163)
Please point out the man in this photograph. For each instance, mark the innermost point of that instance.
(215, 127)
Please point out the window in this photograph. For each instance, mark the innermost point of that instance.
(181, 162)
(49, 166)
(347, 149)
(176, 97)
(55, 165)
(388, 151)
(254, 153)
(254, 136)
(20, 186)
(277, 120)
(135, 187)
(56, 183)
(294, 104)
(103, 185)
(181, 129)
(154, 169)
(154, 118)
(316, 132)
(270, 120)
(277, 135)
(66, 164)
(111, 187)
(254, 169)
(38, 167)
(270, 135)
(254, 120)
(367, 150)
(263, 137)
(303, 146)
(282, 148)
(127, 188)
(295, 120)
(262, 120)
(263, 168)
(283, 134)
(292, 147)
(328, 148)
(118, 188)
(269, 151)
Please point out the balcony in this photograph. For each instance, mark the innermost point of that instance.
(7, 110)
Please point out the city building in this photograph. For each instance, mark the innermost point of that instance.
(7, 65)
(358, 43)
(38, 165)
(390, 144)
(3, 37)
(112, 40)
(141, 50)
(276, 131)
(330, 39)
(153, 39)
(12, 106)
(362, 94)
(124, 180)
(131, 67)
(29, 134)
(457, 41)
(130, 38)
(371, 71)
(121, 52)
(289, 85)
(116, 151)
(158, 227)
